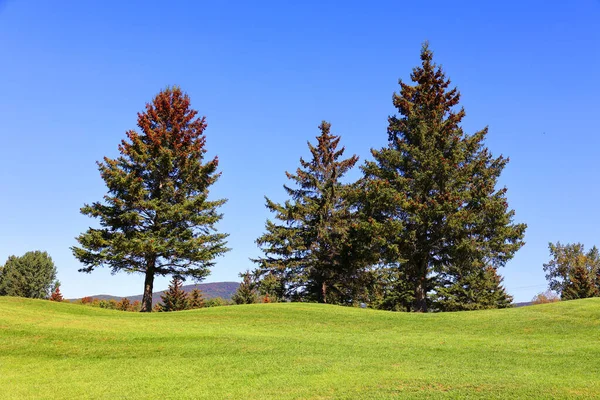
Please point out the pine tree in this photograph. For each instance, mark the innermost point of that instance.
(174, 298)
(246, 292)
(430, 196)
(56, 294)
(478, 289)
(580, 285)
(196, 298)
(572, 272)
(305, 250)
(156, 218)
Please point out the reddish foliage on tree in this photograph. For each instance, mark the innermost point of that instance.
(56, 294)
(156, 218)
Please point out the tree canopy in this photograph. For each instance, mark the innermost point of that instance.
(32, 275)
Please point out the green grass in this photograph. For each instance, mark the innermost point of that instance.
(298, 351)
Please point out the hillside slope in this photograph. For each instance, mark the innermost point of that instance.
(298, 351)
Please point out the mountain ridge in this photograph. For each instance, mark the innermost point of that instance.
(209, 290)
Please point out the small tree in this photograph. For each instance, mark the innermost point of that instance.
(124, 304)
(196, 298)
(174, 299)
(32, 275)
(156, 218)
(246, 292)
(56, 294)
(545, 297)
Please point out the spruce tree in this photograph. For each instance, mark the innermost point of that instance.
(430, 196)
(156, 218)
(246, 292)
(304, 249)
(478, 289)
(56, 294)
(196, 298)
(174, 298)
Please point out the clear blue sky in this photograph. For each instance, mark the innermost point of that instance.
(75, 73)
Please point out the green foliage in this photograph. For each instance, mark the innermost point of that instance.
(216, 302)
(573, 273)
(174, 298)
(305, 249)
(32, 275)
(156, 218)
(429, 201)
(478, 289)
(246, 293)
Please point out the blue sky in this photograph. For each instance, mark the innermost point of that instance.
(74, 74)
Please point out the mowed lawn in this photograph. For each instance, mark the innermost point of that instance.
(298, 351)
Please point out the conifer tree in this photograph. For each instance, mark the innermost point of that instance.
(56, 294)
(304, 248)
(246, 292)
(478, 289)
(31, 275)
(430, 196)
(174, 298)
(196, 298)
(156, 218)
(572, 272)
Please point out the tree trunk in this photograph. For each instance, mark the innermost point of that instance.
(324, 292)
(421, 297)
(148, 287)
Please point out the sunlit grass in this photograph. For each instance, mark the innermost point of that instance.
(298, 351)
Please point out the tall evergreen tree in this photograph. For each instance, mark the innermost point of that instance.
(156, 218)
(305, 249)
(431, 195)
(174, 298)
(32, 275)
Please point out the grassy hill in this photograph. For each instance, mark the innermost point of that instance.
(209, 290)
(298, 351)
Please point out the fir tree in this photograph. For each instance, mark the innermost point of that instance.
(156, 218)
(174, 298)
(246, 292)
(572, 272)
(430, 196)
(304, 250)
(56, 294)
(196, 298)
(478, 289)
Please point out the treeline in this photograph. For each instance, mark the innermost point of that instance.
(426, 227)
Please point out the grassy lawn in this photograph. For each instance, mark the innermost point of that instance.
(298, 351)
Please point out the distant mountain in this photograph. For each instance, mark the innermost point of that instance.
(209, 291)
